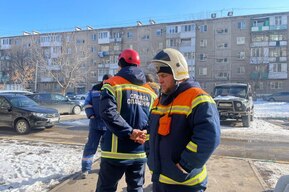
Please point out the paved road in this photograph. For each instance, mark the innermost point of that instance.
(71, 130)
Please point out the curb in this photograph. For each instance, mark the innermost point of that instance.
(71, 177)
(258, 175)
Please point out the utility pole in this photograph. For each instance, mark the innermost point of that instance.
(35, 82)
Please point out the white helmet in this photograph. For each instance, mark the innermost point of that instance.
(175, 60)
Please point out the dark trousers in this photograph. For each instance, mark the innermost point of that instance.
(111, 172)
(90, 148)
(161, 187)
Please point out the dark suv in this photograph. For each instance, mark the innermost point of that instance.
(234, 101)
(22, 113)
(57, 101)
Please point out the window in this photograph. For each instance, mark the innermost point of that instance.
(203, 57)
(278, 67)
(278, 20)
(56, 49)
(259, 38)
(203, 43)
(69, 51)
(93, 37)
(276, 85)
(278, 37)
(159, 32)
(260, 85)
(241, 70)
(129, 34)
(103, 35)
(146, 37)
(220, 30)
(93, 49)
(186, 42)
(116, 48)
(80, 41)
(222, 45)
(188, 28)
(203, 28)
(240, 40)
(256, 52)
(189, 55)
(241, 55)
(222, 60)
(242, 25)
(203, 71)
(6, 41)
(172, 42)
(116, 35)
(172, 29)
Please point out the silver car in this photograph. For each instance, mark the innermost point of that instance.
(57, 101)
(280, 96)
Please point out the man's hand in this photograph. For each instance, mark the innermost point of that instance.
(138, 136)
(180, 168)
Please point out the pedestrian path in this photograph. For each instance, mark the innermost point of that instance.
(226, 174)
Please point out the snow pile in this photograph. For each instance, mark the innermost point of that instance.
(34, 166)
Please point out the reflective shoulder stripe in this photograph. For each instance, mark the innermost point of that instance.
(87, 106)
(192, 147)
(114, 155)
(202, 99)
(184, 103)
(109, 88)
(199, 178)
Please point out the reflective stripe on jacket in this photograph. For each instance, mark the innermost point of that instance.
(91, 107)
(124, 106)
(193, 135)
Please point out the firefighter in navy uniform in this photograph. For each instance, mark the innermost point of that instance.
(184, 128)
(125, 104)
(97, 127)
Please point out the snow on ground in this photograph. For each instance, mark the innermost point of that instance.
(36, 166)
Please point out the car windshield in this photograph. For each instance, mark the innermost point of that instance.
(236, 91)
(22, 102)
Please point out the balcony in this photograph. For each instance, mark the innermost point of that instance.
(277, 59)
(278, 75)
(115, 40)
(259, 60)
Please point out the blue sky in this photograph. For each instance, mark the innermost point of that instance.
(17, 16)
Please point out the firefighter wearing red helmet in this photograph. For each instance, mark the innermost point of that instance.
(125, 102)
(130, 56)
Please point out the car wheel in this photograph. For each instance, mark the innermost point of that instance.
(48, 127)
(271, 99)
(246, 121)
(22, 126)
(76, 110)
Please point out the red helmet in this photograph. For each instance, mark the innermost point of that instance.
(130, 56)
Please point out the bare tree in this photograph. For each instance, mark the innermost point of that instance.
(22, 64)
(65, 61)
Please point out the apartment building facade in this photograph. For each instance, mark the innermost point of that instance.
(249, 49)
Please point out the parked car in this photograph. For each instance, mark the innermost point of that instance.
(71, 95)
(234, 101)
(81, 96)
(57, 101)
(19, 92)
(280, 96)
(23, 114)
